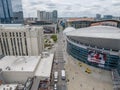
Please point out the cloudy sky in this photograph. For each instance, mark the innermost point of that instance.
(72, 8)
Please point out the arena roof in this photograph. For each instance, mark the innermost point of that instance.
(97, 32)
(68, 30)
(107, 37)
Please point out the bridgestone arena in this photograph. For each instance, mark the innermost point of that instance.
(98, 46)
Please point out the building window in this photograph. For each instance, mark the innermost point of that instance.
(18, 46)
(20, 34)
(21, 46)
(10, 34)
(5, 34)
(13, 34)
(16, 34)
(7, 46)
(26, 46)
(15, 46)
(2, 46)
(12, 46)
(24, 34)
(2, 34)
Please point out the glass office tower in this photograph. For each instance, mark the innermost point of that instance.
(55, 16)
(17, 11)
(11, 11)
(6, 12)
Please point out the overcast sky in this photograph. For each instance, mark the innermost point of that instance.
(72, 8)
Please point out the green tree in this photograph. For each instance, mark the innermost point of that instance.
(54, 37)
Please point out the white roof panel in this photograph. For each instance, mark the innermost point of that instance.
(97, 32)
(19, 63)
(44, 67)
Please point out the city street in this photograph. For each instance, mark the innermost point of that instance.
(59, 64)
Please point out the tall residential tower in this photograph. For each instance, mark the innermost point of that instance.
(47, 16)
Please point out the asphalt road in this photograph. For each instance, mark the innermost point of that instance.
(59, 58)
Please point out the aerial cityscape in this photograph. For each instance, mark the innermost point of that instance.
(59, 45)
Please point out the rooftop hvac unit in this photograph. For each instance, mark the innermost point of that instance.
(7, 88)
(8, 68)
(45, 54)
(20, 87)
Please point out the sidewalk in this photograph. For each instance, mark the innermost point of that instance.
(80, 80)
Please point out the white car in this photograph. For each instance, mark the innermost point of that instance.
(55, 86)
(55, 80)
(53, 46)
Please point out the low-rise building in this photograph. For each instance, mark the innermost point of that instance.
(26, 70)
(16, 69)
(79, 22)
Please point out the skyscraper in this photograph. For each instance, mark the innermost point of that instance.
(55, 16)
(41, 15)
(47, 16)
(108, 17)
(6, 12)
(98, 16)
(11, 11)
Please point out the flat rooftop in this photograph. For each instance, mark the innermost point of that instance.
(18, 27)
(44, 67)
(11, 25)
(19, 63)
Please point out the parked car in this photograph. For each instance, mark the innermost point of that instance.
(55, 86)
(55, 76)
(63, 77)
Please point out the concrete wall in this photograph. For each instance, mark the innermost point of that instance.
(16, 76)
(99, 42)
(13, 41)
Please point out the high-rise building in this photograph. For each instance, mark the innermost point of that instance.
(98, 16)
(21, 40)
(11, 11)
(41, 15)
(47, 16)
(106, 17)
(55, 16)
(6, 12)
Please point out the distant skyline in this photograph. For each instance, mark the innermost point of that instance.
(72, 8)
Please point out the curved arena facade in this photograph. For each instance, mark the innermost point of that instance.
(98, 46)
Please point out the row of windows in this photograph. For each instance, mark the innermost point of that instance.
(118, 68)
(80, 24)
(13, 34)
(14, 46)
(82, 55)
(93, 46)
